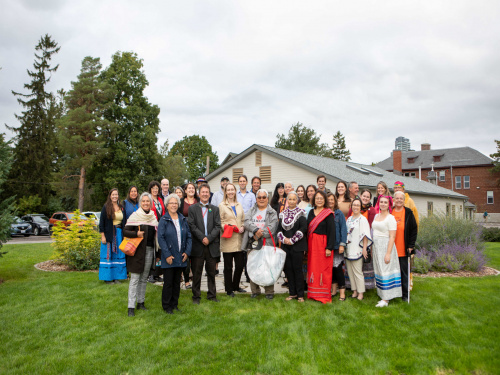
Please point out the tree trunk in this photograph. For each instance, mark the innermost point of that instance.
(81, 189)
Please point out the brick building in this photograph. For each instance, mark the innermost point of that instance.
(462, 169)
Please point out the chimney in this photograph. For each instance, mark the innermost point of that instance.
(425, 146)
(397, 162)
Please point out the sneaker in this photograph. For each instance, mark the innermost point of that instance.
(151, 279)
(382, 303)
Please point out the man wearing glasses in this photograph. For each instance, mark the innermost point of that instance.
(260, 222)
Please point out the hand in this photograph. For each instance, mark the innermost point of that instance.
(365, 254)
(157, 259)
(387, 258)
(259, 233)
(184, 257)
(410, 251)
(140, 234)
(287, 241)
(328, 252)
(170, 259)
(205, 241)
(242, 229)
(341, 249)
(103, 239)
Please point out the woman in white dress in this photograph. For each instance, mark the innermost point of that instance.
(385, 255)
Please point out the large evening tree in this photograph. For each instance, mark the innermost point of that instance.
(131, 155)
(6, 205)
(302, 139)
(35, 138)
(83, 129)
(496, 161)
(194, 151)
(339, 150)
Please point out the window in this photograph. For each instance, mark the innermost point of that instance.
(466, 182)
(265, 175)
(430, 208)
(458, 182)
(442, 175)
(437, 158)
(237, 172)
(411, 160)
(258, 158)
(410, 174)
(489, 197)
(448, 207)
(453, 210)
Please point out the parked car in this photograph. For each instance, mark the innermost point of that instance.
(20, 228)
(93, 215)
(39, 223)
(66, 218)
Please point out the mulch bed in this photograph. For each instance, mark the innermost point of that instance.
(485, 271)
(55, 266)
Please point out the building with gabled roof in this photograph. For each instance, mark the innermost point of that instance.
(460, 169)
(275, 165)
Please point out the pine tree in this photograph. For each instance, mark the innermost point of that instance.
(339, 150)
(131, 155)
(35, 137)
(6, 205)
(82, 129)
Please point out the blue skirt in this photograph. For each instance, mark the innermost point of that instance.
(113, 267)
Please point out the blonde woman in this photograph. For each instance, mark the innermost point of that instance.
(232, 218)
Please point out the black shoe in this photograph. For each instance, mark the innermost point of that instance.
(177, 309)
(196, 301)
(405, 299)
(285, 284)
(140, 306)
(241, 290)
(109, 282)
(230, 294)
(131, 311)
(254, 295)
(214, 300)
(158, 279)
(248, 280)
(216, 272)
(169, 311)
(151, 279)
(269, 296)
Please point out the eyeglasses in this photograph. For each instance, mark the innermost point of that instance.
(264, 197)
(174, 203)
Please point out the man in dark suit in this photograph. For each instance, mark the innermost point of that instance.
(204, 223)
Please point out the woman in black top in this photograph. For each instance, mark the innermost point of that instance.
(278, 201)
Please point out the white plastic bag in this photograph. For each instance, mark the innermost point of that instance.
(264, 266)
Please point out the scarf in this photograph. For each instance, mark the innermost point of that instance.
(365, 207)
(140, 217)
(318, 219)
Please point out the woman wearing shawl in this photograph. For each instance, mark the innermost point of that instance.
(358, 242)
(142, 223)
(292, 231)
(385, 254)
(112, 266)
(321, 241)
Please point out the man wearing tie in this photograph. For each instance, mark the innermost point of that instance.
(204, 223)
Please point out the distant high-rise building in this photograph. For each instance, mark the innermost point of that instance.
(402, 144)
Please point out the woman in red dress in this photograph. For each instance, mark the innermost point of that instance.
(321, 241)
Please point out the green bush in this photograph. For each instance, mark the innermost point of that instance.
(436, 231)
(491, 234)
(77, 245)
(421, 263)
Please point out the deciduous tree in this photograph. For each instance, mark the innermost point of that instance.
(194, 151)
(302, 139)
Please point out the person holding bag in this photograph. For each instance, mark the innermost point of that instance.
(141, 224)
(292, 231)
(261, 222)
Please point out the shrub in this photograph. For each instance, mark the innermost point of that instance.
(421, 262)
(77, 245)
(449, 258)
(491, 234)
(436, 231)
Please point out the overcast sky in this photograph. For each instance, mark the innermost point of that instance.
(240, 72)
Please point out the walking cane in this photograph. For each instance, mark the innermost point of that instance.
(409, 290)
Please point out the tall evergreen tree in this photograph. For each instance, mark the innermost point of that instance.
(302, 139)
(35, 137)
(131, 155)
(339, 150)
(82, 129)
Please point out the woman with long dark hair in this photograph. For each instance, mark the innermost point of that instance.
(338, 278)
(112, 266)
(278, 201)
(343, 198)
(306, 202)
(321, 241)
(190, 198)
(154, 189)
(131, 204)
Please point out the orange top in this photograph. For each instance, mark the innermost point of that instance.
(400, 232)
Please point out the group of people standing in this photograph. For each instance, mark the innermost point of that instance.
(331, 239)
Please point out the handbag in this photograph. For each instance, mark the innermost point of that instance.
(368, 259)
(129, 245)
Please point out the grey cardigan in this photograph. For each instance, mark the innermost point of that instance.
(271, 223)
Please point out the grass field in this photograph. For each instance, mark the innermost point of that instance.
(71, 323)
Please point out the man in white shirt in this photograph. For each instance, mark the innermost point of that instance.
(246, 199)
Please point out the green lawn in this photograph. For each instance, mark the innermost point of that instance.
(492, 252)
(56, 323)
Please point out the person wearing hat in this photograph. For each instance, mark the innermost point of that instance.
(200, 181)
(218, 197)
(400, 186)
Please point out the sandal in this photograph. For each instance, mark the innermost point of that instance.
(341, 299)
(289, 298)
(300, 299)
